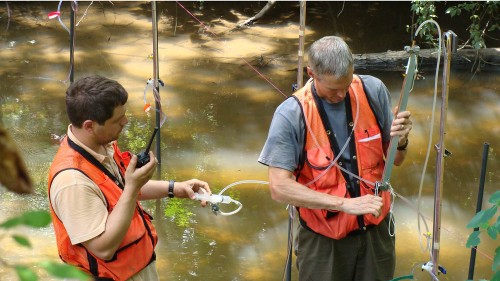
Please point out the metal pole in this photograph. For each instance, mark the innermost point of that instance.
(411, 72)
(300, 83)
(156, 83)
(300, 68)
(438, 188)
(479, 206)
(288, 275)
(157, 88)
(72, 43)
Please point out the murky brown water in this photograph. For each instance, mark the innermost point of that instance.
(219, 109)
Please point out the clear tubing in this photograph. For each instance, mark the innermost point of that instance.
(85, 13)
(431, 122)
(156, 95)
(219, 198)
(59, 17)
(334, 162)
(241, 182)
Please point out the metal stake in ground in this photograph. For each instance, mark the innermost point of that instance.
(440, 147)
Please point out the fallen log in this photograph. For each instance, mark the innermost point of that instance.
(464, 59)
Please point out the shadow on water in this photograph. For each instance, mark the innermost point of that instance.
(219, 108)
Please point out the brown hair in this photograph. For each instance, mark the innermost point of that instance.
(93, 98)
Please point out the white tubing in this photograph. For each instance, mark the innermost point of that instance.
(219, 198)
(334, 162)
(431, 122)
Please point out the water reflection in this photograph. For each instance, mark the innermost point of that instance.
(219, 109)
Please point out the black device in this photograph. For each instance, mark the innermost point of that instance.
(143, 157)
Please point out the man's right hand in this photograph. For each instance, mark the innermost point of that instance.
(367, 204)
(136, 178)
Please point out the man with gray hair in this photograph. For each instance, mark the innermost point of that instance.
(325, 150)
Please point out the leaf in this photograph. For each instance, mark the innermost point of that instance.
(482, 217)
(496, 277)
(21, 240)
(25, 274)
(497, 224)
(474, 239)
(11, 223)
(62, 270)
(40, 218)
(495, 198)
(453, 11)
(492, 232)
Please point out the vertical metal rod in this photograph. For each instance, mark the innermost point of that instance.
(157, 87)
(300, 83)
(300, 68)
(156, 83)
(438, 187)
(72, 43)
(8, 15)
(290, 248)
(479, 206)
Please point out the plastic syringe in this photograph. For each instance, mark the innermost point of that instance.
(213, 198)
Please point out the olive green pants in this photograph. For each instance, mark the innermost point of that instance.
(367, 256)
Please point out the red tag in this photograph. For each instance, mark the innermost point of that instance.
(53, 15)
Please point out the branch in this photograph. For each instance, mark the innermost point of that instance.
(258, 15)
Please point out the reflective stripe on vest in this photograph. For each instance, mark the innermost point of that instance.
(318, 156)
(137, 248)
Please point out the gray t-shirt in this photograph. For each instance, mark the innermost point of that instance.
(285, 140)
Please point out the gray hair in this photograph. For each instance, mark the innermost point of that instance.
(330, 55)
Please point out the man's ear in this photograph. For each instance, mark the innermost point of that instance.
(310, 72)
(88, 126)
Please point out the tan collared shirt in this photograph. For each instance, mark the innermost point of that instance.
(81, 205)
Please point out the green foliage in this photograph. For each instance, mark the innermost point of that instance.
(25, 274)
(62, 270)
(136, 135)
(482, 218)
(424, 10)
(21, 240)
(37, 219)
(177, 211)
(481, 15)
(483, 19)
(496, 261)
(482, 221)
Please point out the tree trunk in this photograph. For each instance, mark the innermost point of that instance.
(466, 59)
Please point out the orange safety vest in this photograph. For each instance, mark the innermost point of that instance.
(137, 248)
(318, 155)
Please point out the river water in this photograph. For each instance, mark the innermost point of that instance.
(222, 86)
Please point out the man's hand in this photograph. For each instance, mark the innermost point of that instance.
(367, 204)
(186, 189)
(401, 126)
(136, 178)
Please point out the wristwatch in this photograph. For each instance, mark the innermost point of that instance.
(171, 189)
(403, 147)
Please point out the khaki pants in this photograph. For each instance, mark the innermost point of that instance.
(367, 256)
